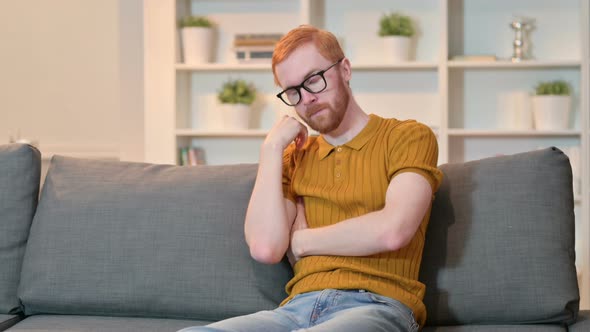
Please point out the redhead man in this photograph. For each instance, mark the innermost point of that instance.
(349, 207)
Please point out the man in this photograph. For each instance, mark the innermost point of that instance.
(350, 207)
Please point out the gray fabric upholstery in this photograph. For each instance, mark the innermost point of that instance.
(58, 323)
(7, 321)
(20, 171)
(583, 322)
(497, 328)
(131, 239)
(500, 243)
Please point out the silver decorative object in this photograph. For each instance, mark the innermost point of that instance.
(521, 47)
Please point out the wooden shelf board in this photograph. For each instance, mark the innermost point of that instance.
(514, 65)
(221, 133)
(512, 133)
(412, 65)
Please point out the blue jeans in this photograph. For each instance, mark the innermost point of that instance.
(328, 310)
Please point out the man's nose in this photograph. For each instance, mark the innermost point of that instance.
(307, 97)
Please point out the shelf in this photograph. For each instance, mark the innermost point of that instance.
(221, 133)
(504, 64)
(512, 133)
(224, 67)
(413, 65)
(240, 133)
(396, 66)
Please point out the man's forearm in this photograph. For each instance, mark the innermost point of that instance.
(388, 229)
(361, 236)
(266, 227)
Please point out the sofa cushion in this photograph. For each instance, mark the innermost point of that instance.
(20, 171)
(582, 323)
(59, 323)
(496, 328)
(134, 239)
(7, 321)
(500, 243)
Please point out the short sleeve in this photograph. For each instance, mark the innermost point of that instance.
(288, 169)
(413, 148)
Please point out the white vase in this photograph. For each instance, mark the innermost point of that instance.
(396, 48)
(514, 110)
(551, 112)
(197, 45)
(236, 116)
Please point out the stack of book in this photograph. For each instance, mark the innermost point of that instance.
(251, 47)
(191, 156)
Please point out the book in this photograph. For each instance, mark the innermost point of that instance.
(475, 57)
(191, 156)
(261, 39)
(183, 156)
(254, 53)
(196, 156)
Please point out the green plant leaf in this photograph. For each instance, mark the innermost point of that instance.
(237, 92)
(558, 88)
(195, 21)
(396, 24)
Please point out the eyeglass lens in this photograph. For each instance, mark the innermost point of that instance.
(314, 84)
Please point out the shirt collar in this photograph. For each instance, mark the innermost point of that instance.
(356, 143)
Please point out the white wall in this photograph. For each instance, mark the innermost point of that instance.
(131, 71)
(69, 76)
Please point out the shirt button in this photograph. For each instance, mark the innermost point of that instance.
(337, 175)
(338, 162)
(339, 149)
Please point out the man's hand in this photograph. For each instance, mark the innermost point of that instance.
(300, 223)
(284, 132)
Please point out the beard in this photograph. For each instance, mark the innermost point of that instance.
(332, 115)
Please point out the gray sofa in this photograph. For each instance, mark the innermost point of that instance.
(118, 246)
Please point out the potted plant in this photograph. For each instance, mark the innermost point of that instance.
(552, 105)
(396, 30)
(236, 98)
(197, 39)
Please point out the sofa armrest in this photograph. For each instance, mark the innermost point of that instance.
(582, 323)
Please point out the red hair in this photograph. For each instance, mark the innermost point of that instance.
(325, 41)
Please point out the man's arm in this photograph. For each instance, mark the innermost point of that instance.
(408, 197)
(270, 216)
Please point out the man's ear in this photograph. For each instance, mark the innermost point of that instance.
(346, 70)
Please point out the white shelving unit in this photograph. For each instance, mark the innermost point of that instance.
(463, 101)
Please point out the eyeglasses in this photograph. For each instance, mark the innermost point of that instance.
(315, 83)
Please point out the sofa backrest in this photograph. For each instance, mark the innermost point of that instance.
(20, 171)
(132, 239)
(500, 243)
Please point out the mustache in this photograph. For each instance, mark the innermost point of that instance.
(315, 108)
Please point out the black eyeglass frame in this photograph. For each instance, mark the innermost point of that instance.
(302, 85)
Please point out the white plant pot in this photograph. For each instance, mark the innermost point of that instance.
(551, 112)
(197, 45)
(396, 48)
(514, 110)
(236, 116)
